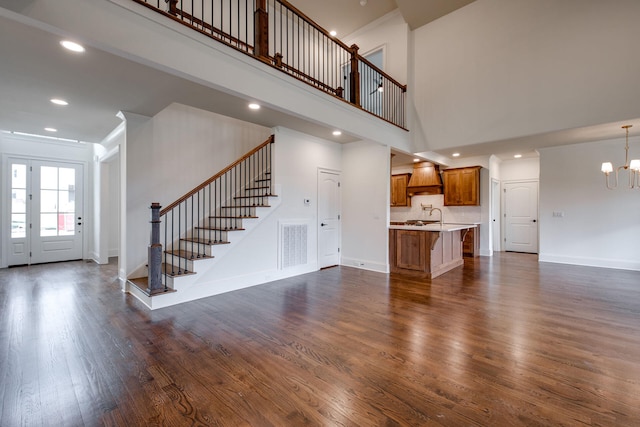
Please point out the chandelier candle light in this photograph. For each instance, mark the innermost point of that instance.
(633, 167)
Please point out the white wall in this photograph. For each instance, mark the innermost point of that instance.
(33, 147)
(391, 34)
(499, 69)
(520, 169)
(600, 227)
(365, 205)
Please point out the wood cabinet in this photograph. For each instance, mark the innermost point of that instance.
(425, 253)
(462, 186)
(399, 195)
(471, 243)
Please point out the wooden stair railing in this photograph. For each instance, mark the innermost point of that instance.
(282, 36)
(204, 216)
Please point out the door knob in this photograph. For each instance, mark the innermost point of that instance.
(535, 220)
(322, 224)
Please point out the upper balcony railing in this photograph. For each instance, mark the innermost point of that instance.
(277, 33)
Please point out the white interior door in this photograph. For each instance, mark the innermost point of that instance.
(521, 216)
(328, 218)
(495, 215)
(46, 212)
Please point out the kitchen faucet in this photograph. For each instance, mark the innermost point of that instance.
(435, 209)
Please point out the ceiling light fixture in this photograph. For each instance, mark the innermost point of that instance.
(456, 154)
(254, 106)
(337, 133)
(633, 167)
(517, 156)
(51, 129)
(333, 33)
(72, 46)
(59, 101)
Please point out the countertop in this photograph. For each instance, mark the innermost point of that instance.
(433, 227)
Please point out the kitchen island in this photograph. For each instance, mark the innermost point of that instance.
(426, 250)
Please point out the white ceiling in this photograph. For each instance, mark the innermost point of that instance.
(98, 84)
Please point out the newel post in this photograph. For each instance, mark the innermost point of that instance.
(155, 252)
(261, 30)
(354, 76)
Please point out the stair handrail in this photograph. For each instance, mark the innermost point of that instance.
(216, 176)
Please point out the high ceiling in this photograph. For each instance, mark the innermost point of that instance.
(101, 84)
(346, 16)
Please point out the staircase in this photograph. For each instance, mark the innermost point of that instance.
(191, 234)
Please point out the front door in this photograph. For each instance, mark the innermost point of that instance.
(328, 218)
(46, 211)
(521, 216)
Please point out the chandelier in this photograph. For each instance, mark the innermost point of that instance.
(633, 167)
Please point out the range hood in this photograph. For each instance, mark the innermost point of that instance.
(425, 179)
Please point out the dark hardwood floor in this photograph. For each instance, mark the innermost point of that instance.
(503, 341)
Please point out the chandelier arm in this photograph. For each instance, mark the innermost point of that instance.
(606, 177)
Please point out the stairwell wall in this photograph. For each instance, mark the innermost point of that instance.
(169, 155)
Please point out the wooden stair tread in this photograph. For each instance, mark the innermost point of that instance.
(247, 206)
(255, 197)
(168, 269)
(218, 229)
(266, 187)
(142, 283)
(203, 241)
(233, 217)
(192, 256)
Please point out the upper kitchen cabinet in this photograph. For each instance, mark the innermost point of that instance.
(399, 195)
(462, 186)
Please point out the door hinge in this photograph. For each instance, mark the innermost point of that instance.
(338, 250)
(338, 216)
(29, 254)
(30, 196)
(338, 184)
(30, 226)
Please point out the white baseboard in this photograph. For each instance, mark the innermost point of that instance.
(365, 264)
(591, 262)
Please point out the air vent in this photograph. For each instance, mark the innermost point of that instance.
(293, 244)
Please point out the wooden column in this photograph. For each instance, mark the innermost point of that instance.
(155, 253)
(261, 30)
(354, 76)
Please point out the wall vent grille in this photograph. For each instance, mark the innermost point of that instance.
(293, 244)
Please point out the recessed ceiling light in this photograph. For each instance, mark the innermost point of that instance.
(333, 33)
(456, 154)
(72, 46)
(51, 129)
(416, 160)
(337, 133)
(59, 101)
(517, 156)
(254, 106)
